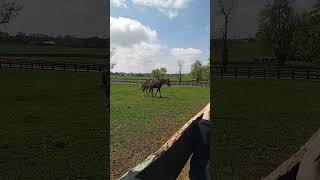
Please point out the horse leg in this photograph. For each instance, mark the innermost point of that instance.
(160, 92)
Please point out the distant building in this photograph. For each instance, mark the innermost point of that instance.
(48, 43)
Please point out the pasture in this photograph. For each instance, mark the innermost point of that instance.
(141, 125)
(52, 125)
(258, 124)
(49, 52)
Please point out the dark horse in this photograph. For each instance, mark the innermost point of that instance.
(145, 86)
(155, 84)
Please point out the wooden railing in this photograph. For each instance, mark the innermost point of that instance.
(51, 65)
(174, 83)
(268, 72)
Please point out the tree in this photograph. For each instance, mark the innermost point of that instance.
(225, 9)
(157, 73)
(180, 64)
(206, 70)
(163, 71)
(278, 23)
(196, 70)
(8, 10)
(307, 37)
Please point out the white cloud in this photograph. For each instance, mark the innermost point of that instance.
(140, 58)
(119, 3)
(187, 55)
(170, 8)
(136, 47)
(126, 32)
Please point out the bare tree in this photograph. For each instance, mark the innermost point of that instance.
(225, 9)
(8, 10)
(277, 27)
(180, 64)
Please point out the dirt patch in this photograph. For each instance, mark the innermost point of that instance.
(141, 146)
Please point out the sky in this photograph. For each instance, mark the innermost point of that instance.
(150, 34)
(82, 18)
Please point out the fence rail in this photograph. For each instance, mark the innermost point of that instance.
(271, 72)
(174, 83)
(51, 65)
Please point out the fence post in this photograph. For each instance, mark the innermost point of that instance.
(20, 65)
(249, 72)
(293, 71)
(221, 72)
(99, 68)
(0, 64)
(87, 68)
(42, 66)
(64, 67)
(265, 73)
(278, 73)
(75, 68)
(52, 67)
(235, 72)
(308, 74)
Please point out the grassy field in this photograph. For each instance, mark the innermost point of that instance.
(52, 125)
(14, 48)
(140, 125)
(241, 51)
(258, 124)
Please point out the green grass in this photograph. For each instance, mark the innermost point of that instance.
(258, 124)
(244, 52)
(52, 125)
(14, 48)
(140, 125)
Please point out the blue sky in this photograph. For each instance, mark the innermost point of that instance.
(148, 34)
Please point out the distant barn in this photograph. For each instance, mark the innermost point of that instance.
(48, 43)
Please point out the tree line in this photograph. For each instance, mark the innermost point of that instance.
(291, 36)
(198, 71)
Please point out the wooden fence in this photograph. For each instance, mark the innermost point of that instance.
(173, 83)
(269, 72)
(51, 65)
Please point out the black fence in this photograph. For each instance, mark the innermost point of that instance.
(268, 72)
(173, 83)
(51, 65)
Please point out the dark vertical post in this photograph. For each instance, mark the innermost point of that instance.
(265, 73)
(308, 74)
(87, 68)
(75, 68)
(52, 67)
(64, 66)
(42, 66)
(278, 73)
(249, 72)
(293, 71)
(221, 72)
(235, 72)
